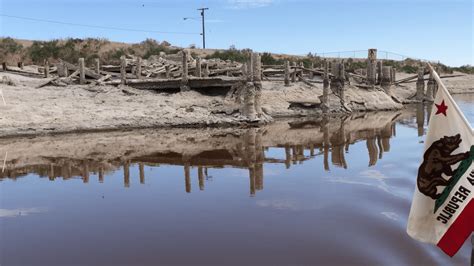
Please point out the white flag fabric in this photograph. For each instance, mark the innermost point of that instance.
(442, 211)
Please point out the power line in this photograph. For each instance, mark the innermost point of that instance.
(98, 27)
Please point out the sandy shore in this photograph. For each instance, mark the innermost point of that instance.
(75, 108)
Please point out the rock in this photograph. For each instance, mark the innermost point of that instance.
(8, 81)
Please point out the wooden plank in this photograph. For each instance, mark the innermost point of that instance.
(104, 78)
(89, 73)
(116, 69)
(193, 82)
(410, 78)
(442, 77)
(24, 73)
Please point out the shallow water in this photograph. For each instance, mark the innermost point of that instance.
(333, 192)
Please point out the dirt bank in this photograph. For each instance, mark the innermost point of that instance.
(35, 111)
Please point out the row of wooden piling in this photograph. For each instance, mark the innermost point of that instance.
(431, 86)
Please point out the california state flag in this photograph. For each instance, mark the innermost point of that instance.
(442, 211)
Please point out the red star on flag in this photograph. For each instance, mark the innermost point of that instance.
(441, 108)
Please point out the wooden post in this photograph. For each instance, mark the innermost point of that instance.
(301, 71)
(259, 160)
(371, 66)
(379, 72)
(46, 69)
(287, 73)
(420, 118)
(82, 74)
(168, 72)
(141, 169)
(420, 85)
(336, 82)
(187, 178)
(325, 98)
(430, 87)
(243, 69)
(293, 74)
(334, 68)
(184, 74)
(101, 175)
(393, 75)
(61, 69)
(326, 143)
(251, 157)
(311, 74)
(4, 66)
(65, 69)
(257, 82)
(97, 66)
(20, 65)
(123, 70)
(201, 178)
(341, 76)
(386, 79)
(198, 67)
(249, 101)
(206, 70)
(250, 67)
(139, 68)
(85, 174)
(287, 156)
(126, 174)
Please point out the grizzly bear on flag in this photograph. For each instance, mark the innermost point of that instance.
(437, 160)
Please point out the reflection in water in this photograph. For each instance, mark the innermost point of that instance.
(243, 148)
(11, 213)
(420, 118)
(296, 220)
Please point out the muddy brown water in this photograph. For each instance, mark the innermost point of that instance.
(330, 191)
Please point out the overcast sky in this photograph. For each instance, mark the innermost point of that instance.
(435, 30)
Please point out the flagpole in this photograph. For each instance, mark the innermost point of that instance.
(438, 80)
(472, 252)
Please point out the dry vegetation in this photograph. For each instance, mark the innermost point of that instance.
(13, 51)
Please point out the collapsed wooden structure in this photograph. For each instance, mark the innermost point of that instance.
(182, 72)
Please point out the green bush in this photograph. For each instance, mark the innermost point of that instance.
(468, 69)
(268, 59)
(8, 45)
(151, 47)
(40, 51)
(409, 69)
(231, 54)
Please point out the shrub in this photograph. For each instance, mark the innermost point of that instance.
(468, 69)
(10, 48)
(40, 51)
(268, 59)
(409, 69)
(231, 54)
(8, 45)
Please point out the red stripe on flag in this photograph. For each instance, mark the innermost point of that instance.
(459, 231)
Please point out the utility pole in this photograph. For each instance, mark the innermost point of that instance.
(203, 27)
